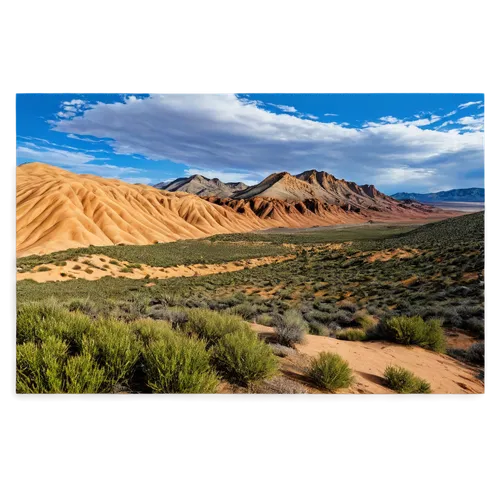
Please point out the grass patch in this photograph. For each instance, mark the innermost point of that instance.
(404, 381)
(331, 372)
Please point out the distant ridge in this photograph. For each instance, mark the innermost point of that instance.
(453, 195)
(202, 186)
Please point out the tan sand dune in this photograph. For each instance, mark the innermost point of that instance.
(57, 209)
(368, 361)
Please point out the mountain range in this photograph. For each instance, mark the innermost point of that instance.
(453, 195)
(308, 185)
(202, 186)
(58, 209)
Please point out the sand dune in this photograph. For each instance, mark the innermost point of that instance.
(57, 209)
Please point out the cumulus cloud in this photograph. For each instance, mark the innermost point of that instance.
(231, 134)
(470, 103)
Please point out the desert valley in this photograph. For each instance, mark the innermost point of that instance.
(297, 284)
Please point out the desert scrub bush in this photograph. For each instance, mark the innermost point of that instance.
(40, 369)
(290, 328)
(353, 334)
(176, 316)
(329, 371)
(316, 328)
(178, 364)
(43, 268)
(83, 376)
(242, 358)
(149, 331)
(264, 319)
(414, 330)
(475, 353)
(213, 326)
(76, 267)
(365, 321)
(36, 321)
(116, 349)
(405, 382)
(245, 310)
(86, 306)
(281, 351)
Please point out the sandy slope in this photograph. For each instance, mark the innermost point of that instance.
(57, 209)
(92, 268)
(368, 361)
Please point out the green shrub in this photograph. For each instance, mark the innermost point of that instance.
(149, 331)
(116, 348)
(43, 268)
(291, 328)
(354, 334)
(414, 330)
(83, 376)
(265, 319)
(245, 310)
(179, 364)
(405, 382)
(242, 358)
(316, 328)
(36, 321)
(86, 306)
(40, 369)
(212, 326)
(331, 372)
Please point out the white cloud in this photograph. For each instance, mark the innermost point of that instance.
(227, 133)
(137, 180)
(331, 114)
(282, 107)
(470, 103)
(74, 160)
(390, 119)
(77, 103)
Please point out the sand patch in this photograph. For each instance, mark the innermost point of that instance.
(397, 253)
(98, 266)
(470, 277)
(368, 361)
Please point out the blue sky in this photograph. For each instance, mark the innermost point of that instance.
(399, 142)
